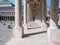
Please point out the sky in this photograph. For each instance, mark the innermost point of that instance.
(48, 2)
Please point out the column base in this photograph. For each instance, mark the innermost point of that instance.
(44, 27)
(53, 34)
(17, 32)
(25, 28)
(17, 36)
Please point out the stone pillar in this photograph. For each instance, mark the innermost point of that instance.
(44, 13)
(17, 30)
(28, 11)
(5, 18)
(53, 19)
(25, 15)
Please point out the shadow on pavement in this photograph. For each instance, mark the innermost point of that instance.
(27, 35)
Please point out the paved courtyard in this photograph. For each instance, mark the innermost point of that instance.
(31, 36)
(39, 38)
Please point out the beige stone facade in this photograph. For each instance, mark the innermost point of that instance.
(7, 10)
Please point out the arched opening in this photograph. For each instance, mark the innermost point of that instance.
(33, 18)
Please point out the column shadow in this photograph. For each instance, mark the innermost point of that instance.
(27, 35)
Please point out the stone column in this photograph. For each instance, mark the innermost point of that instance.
(6, 18)
(25, 15)
(3, 18)
(53, 19)
(17, 30)
(28, 11)
(44, 13)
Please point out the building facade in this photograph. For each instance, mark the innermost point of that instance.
(7, 10)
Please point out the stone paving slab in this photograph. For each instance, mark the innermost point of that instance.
(40, 39)
(35, 37)
(29, 41)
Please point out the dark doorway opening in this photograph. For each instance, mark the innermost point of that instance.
(33, 18)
